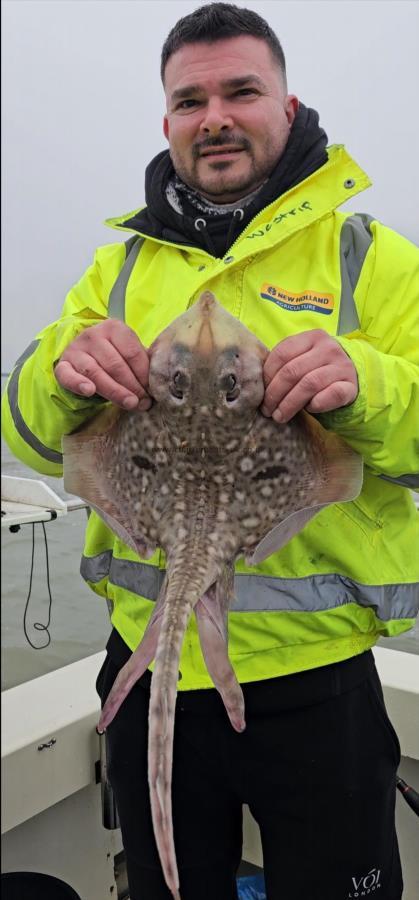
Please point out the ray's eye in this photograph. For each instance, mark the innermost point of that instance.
(176, 387)
(230, 387)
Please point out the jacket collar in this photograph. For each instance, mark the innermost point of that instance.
(316, 196)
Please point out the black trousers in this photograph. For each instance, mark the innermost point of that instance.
(316, 765)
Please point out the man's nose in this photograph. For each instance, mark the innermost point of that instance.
(216, 117)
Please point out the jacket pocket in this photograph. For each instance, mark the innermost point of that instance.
(363, 517)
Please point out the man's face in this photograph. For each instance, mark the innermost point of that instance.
(228, 116)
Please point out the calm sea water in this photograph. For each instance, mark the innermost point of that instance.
(79, 619)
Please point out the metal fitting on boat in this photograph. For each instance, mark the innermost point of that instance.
(110, 819)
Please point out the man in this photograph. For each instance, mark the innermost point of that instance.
(244, 203)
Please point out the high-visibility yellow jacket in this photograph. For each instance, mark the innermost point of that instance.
(352, 573)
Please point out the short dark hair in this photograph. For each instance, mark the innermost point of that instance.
(215, 21)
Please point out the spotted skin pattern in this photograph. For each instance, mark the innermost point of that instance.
(208, 478)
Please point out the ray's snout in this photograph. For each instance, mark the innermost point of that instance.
(207, 352)
(206, 303)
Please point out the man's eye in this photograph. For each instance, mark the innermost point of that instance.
(187, 104)
(244, 92)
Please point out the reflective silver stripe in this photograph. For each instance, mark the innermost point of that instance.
(137, 577)
(408, 481)
(116, 304)
(355, 240)
(320, 592)
(257, 593)
(26, 354)
(21, 427)
(125, 573)
(94, 568)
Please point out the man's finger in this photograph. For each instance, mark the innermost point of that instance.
(288, 349)
(72, 381)
(108, 358)
(289, 375)
(85, 369)
(340, 393)
(132, 351)
(302, 394)
(117, 338)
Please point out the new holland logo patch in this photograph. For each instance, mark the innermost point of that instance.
(308, 300)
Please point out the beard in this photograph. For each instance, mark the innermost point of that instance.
(222, 182)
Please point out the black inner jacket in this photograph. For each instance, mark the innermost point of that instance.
(304, 153)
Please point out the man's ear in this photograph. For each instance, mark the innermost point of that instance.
(166, 127)
(291, 107)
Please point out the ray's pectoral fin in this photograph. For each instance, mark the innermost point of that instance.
(278, 536)
(333, 475)
(211, 615)
(88, 461)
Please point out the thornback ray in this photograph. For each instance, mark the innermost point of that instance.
(206, 477)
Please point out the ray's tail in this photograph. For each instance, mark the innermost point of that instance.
(183, 592)
(162, 641)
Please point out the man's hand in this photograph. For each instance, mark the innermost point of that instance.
(307, 371)
(109, 360)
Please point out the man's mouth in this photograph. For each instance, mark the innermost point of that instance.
(222, 151)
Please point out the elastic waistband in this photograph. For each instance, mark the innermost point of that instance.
(269, 695)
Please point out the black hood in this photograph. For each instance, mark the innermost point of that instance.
(304, 153)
